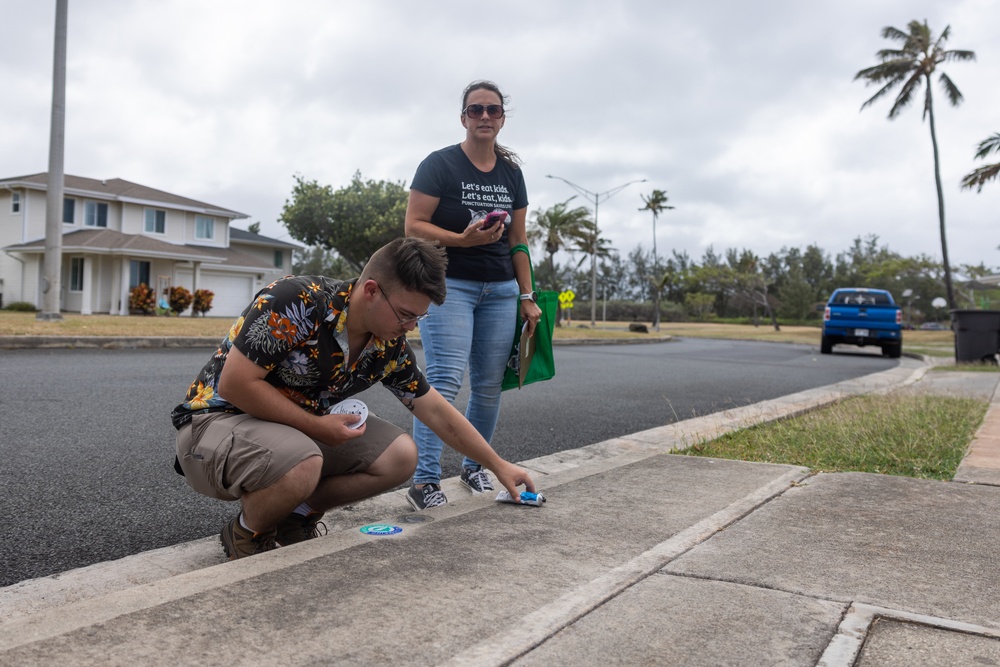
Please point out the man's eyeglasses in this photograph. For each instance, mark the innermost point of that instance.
(413, 319)
(476, 110)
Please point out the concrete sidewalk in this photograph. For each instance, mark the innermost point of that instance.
(639, 557)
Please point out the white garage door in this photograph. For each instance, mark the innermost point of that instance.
(232, 292)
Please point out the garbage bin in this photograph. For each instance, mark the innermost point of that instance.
(977, 335)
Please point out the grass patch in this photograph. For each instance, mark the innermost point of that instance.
(943, 351)
(974, 367)
(25, 324)
(900, 433)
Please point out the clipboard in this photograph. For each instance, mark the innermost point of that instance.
(525, 353)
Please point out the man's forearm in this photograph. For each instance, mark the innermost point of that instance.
(261, 400)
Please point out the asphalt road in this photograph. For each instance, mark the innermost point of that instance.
(86, 442)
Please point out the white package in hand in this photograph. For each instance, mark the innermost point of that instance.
(351, 406)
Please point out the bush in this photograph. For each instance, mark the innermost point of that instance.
(142, 299)
(179, 299)
(202, 301)
(21, 307)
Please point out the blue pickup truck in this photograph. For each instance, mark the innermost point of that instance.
(860, 316)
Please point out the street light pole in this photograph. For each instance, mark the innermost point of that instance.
(52, 260)
(595, 199)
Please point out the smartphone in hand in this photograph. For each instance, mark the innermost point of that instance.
(490, 220)
(495, 217)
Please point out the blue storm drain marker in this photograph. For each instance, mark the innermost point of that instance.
(380, 529)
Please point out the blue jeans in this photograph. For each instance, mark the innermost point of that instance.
(473, 329)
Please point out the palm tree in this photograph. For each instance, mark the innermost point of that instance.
(980, 176)
(590, 242)
(656, 203)
(556, 227)
(908, 67)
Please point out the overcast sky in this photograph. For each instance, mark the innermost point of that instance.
(745, 113)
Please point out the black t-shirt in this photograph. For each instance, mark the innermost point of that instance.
(468, 195)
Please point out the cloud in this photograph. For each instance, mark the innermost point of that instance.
(745, 113)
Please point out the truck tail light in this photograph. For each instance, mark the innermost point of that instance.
(826, 314)
(899, 317)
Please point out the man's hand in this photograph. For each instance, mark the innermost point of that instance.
(511, 476)
(336, 429)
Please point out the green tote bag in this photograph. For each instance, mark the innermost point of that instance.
(531, 358)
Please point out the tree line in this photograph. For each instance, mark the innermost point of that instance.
(343, 227)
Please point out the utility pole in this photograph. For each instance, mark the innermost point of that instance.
(52, 264)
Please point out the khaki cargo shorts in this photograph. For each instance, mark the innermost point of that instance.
(225, 455)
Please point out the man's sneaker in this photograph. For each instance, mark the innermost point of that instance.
(477, 481)
(239, 542)
(430, 495)
(299, 528)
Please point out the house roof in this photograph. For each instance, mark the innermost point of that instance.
(243, 236)
(985, 282)
(110, 242)
(117, 189)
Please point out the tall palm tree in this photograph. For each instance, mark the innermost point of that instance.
(908, 67)
(656, 203)
(988, 172)
(556, 227)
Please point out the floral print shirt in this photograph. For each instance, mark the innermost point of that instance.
(296, 330)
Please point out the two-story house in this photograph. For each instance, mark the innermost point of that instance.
(117, 234)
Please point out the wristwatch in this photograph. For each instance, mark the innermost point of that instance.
(530, 296)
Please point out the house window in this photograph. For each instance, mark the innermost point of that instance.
(204, 228)
(69, 210)
(95, 214)
(138, 272)
(15, 202)
(76, 274)
(156, 221)
(279, 258)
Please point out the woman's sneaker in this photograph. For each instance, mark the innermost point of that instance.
(430, 495)
(239, 542)
(477, 481)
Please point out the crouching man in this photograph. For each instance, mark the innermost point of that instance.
(254, 425)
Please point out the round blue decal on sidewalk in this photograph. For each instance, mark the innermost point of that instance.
(380, 529)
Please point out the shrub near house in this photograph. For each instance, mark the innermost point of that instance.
(202, 301)
(180, 299)
(142, 299)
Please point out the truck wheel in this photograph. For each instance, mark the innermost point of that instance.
(825, 345)
(893, 350)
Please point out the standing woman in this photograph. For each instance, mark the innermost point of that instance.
(457, 194)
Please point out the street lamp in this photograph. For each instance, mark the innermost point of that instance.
(595, 198)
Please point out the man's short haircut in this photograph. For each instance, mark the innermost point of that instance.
(415, 264)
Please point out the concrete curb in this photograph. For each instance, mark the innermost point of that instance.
(981, 464)
(105, 342)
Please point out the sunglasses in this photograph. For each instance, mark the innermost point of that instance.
(476, 110)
